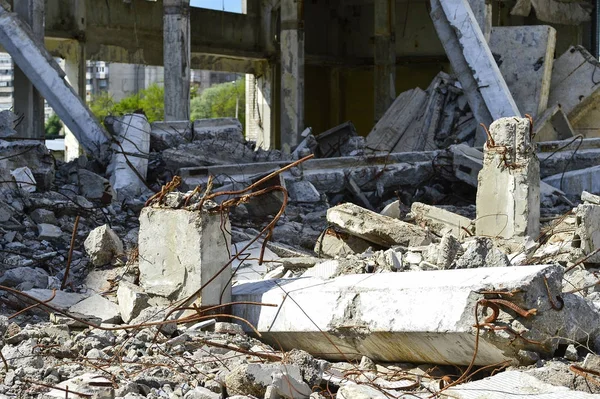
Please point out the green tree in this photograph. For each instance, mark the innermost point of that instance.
(102, 105)
(53, 126)
(220, 101)
(151, 101)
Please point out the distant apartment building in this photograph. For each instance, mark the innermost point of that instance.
(6, 82)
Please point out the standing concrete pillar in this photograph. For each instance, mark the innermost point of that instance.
(508, 190)
(75, 71)
(385, 56)
(27, 100)
(292, 72)
(176, 45)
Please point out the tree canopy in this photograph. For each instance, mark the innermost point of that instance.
(219, 101)
(53, 126)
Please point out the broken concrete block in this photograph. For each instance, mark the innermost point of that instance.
(525, 55)
(289, 387)
(224, 129)
(62, 300)
(269, 203)
(93, 385)
(191, 251)
(31, 154)
(587, 230)
(355, 391)
(508, 192)
(382, 316)
(303, 191)
(98, 306)
(129, 163)
(552, 124)
(481, 252)
(132, 300)
(324, 270)
(330, 143)
(557, 12)
(43, 216)
(201, 393)
(14, 277)
(102, 245)
(440, 221)
(169, 134)
(40, 68)
(376, 228)
(573, 183)
(49, 232)
(93, 186)
(472, 61)
(571, 87)
(253, 379)
(391, 127)
(24, 179)
(447, 251)
(590, 198)
(513, 383)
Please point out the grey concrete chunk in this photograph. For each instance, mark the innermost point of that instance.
(94, 186)
(441, 221)
(290, 387)
(43, 216)
(98, 306)
(525, 55)
(102, 245)
(376, 228)
(253, 379)
(49, 232)
(576, 181)
(303, 191)
(132, 300)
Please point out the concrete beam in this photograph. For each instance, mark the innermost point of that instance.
(384, 72)
(417, 317)
(39, 67)
(292, 73)
(177, 59)
(472, 61)
(27, 100)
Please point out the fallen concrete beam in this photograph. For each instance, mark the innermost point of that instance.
(472, 61)
(327, 174)
(572, 86)
(525, 55)
(419, 317)
(40, 68)
(376, 228)
(576, 181)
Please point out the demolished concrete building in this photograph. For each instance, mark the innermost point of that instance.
(437, 235)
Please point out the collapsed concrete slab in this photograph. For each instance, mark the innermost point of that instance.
(40, 68)
(376, 228)
(472, 61)
(571, 87)
(333, 243)
(574, 182)
(508, 191)
(552, 124)
(28, 153)
(180, 250)
(420, 317)
(525, 55)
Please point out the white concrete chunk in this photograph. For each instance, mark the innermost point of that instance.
(420, 317)
(102, 245)
(376, 228)
(181, 250)
(525, 55)
(98, 306)
(440, 220)
(49, 232)
(576, 181)
(132, 300)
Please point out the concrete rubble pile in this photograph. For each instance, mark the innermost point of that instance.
(434, 258)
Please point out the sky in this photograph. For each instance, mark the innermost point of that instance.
(230, 5)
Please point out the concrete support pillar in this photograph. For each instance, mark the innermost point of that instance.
(385, 56)
(292, 72)
(259, 106)
(75, 70)
(508, 191)
(177, 53)
(27, 100)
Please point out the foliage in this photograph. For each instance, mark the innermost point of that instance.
(149, 100)
(219, 101)
(53, 126)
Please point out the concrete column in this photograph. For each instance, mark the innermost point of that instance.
(508, 190)
(75, 70)
(177, 53)
(259, 100)
(292, 72)
(27, 100)
(385, 56)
